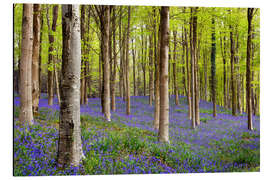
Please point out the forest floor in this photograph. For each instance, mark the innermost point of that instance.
(129, 144)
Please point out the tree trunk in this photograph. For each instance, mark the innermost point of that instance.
(127, 67)
(57, 81)
(175, 70)
(87, 71)
(83, 56)
(26, 113)
(35, 59)
(238, 83)
(134, 66)
(70, 144)
(164, 98)
(205, 58)
(223, 53)
(192, 64)
(157, 56)
(114, 62)
(121, 55)
(250, 15)
(188, 75)
(151, 63)
(196, 69)
(105, 27)
(213, 67)
(143, 63)
(40, 50)
(233, 100)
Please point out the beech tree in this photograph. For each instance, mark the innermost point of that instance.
(250, 14)
(104, 17)
(25, 86)
(163, 135)
(175, 70)
(70, 144)
(127, 67)
(83, 53)
(213, 68)
(35, 58)
(157, 74)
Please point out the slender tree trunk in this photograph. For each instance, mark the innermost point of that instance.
(151, 63)
(120, 44)
(164, 98)
(183, 64)
(114, 62)
(188, 75)
(40, 50)
(250, 15)
(70, 144)
(253, 89)
(87, 71)
(175, 70)
(223, 53)
(192, 50)
(127, 67)
(213, 67)
(143, 63)
(105, 27)
(57, 81)
(35, 58)
(83, 56)
(205, 74)
(134, 66)
(169, 71)
(157, 79)
(26, 113)
(196, 69)
(123, 66)
(233, 100)
(237, 69)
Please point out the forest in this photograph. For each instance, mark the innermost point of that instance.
(110, 89)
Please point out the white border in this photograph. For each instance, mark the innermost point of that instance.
(6, 88)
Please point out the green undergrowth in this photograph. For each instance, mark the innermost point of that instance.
(239, 152)
(120, 143)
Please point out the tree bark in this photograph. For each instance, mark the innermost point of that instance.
(188, 75)
(70, 144)
(40, 50)
(127, 67)
(213, 67)
(233, 100)
(174, 70)
(238, 83)
(151, 63)
(164, 97)
(105, 27)
(25, 86)
(143, 63)
(196, 69)
(157, 79)
(223, 54)
(83, 56)
(35, 58)
(134, 66)
(192, 64)
(250, 14)
(114, 62)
